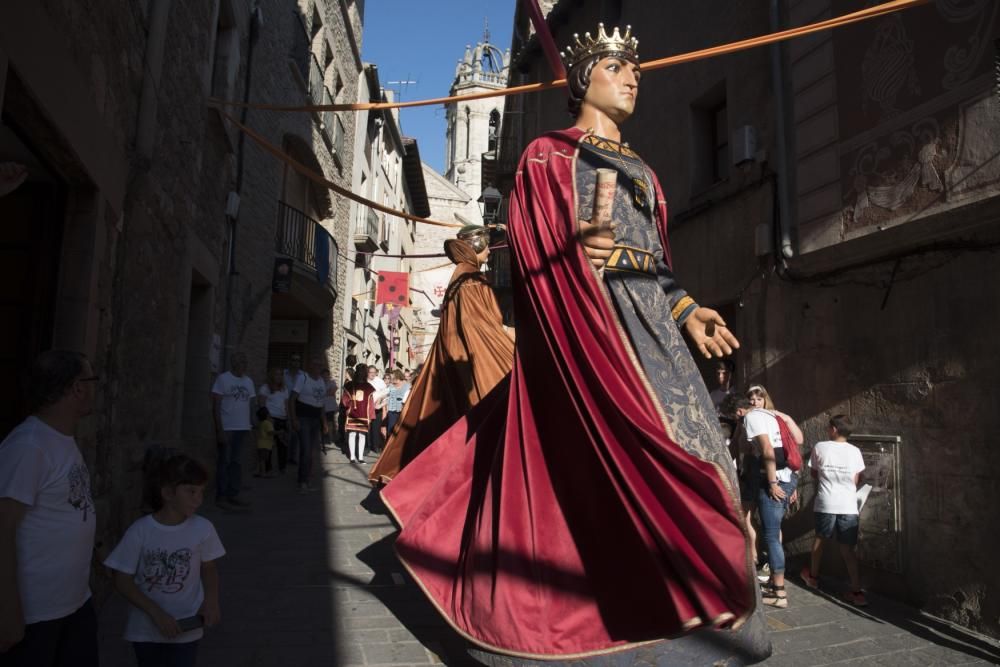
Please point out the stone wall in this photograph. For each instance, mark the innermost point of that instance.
(146, 286)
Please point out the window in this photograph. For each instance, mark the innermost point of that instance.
(494, 130)
(720, 143)
(225, 61)
(709, 139)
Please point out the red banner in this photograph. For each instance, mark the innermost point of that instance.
(393, 287)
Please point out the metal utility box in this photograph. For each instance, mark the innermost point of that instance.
(881, 519)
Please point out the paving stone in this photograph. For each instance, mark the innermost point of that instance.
(395, 652)
(313, 580)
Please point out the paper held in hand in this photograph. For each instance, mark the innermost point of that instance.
(604, 197)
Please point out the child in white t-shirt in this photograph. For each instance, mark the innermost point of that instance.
(836, 465)
(165, 567)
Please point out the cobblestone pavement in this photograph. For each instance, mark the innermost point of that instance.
(312, 580)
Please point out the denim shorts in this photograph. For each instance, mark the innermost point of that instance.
(842, 526)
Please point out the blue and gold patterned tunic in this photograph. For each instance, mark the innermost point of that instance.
(644, 293)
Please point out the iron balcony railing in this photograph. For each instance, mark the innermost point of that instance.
(366, 231)
(296, 235)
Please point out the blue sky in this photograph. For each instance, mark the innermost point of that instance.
(422, 40)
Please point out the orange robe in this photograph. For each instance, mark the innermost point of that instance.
(469, 357)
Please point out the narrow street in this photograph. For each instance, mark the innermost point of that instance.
(295, 594)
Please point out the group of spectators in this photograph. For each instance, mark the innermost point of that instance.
(298, 413)
(765, 444)
(164, 565)
(47, 517)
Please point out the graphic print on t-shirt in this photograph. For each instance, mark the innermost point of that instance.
(319, 393)
(79, 489)
(163, 572)
(239, 393)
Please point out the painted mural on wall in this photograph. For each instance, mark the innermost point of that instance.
(916, 110)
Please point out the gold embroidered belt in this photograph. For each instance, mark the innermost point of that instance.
(627, 259)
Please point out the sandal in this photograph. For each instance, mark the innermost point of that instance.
(775, 597)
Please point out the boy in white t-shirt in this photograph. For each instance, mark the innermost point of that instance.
(165, 567)
(836, 465)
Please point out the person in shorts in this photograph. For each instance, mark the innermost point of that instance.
(836, 465)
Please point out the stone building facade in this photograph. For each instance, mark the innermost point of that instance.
(147, 230)
(836, 199)
(387, 170)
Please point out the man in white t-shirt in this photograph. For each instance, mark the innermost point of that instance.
(293, 376)
(47, 522)
(330, 408)
(776, 486)
(232, 400)
(307, 417)
(836, 465)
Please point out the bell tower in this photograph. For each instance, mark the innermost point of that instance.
(474, 126)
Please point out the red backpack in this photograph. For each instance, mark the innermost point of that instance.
(793, 458)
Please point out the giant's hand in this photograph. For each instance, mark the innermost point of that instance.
(708, 331)
(598, 242)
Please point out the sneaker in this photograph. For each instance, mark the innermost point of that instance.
(857, 598)
(303, 489)
(236, 502)
(808, 578)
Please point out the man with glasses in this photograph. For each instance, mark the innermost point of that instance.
(47, 522)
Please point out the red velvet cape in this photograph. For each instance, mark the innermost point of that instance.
(559, 518)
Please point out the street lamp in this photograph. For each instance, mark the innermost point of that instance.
(489, 204)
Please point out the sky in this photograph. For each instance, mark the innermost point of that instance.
(422, 41)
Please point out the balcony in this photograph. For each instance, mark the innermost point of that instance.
(307, 242)
(366, 232)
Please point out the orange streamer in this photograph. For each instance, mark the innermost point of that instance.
(711, 52)
(322, 180)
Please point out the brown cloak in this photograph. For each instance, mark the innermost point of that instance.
(469, 357)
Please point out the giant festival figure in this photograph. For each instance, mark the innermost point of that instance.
(472, 352)
(586, 510)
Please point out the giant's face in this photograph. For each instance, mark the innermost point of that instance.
(614, 87)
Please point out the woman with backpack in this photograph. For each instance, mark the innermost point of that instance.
(775, 441)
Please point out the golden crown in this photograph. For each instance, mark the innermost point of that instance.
(625, 45)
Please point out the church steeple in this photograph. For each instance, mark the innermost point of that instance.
(473, 126)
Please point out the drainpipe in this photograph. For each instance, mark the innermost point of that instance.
(256, 19)
(783, 136)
